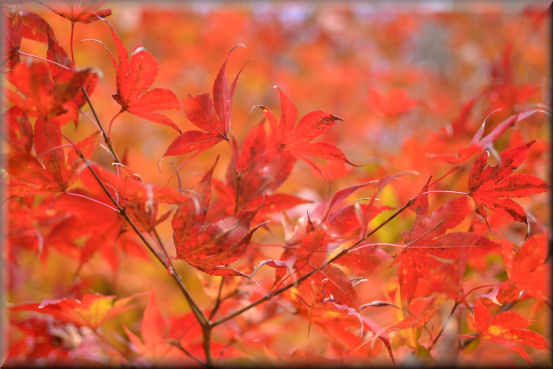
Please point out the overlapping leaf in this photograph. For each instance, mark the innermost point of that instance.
(257, 175)
(139, 198)
(424, 266)
(210, 244)
(51, 90)
(51, 169)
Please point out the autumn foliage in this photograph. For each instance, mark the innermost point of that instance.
(308, 184)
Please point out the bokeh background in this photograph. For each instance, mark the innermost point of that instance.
(396, 72)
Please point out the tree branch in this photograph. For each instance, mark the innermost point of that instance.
(313, 271)
(202, 319)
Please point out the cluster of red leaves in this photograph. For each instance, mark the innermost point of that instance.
(63, 198)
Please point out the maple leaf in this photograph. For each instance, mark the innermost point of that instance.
(527, 268)
(29, 221)
(296, 138)
(431, 255)
(51, 169)
(394, 103)
(36, 83)
(50, 341)
(256, 175)
(20, 130)
(134, 77)
(159, 335)
(507, 329)
(493, 187)
(153, 329)
(13, 33)
(38, 95)
(208, 244)
(92, 311)
(140, 199)
(212, 116)
(215, 245)
(84, 11)
(480, 142)
(89, 221)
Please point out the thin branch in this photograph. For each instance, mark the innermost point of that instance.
(186, 352)
(171, 268)
(202, 319)
(207, 345)
(444, 325)
(218, 300)
(106, 138)
(313, 271)
(445, 175)
(111, 121)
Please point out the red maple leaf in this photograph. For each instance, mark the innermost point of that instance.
(493, 187)
(134, 77)
(507, 329)
(394, 103)
(296, 138)
(433, 259)
(527, 268)
(212, 116)
(13, 33)
(92, 311)
(84, 11)
(210, 244)
(51, 169)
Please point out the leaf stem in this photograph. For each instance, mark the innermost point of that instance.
(71, 42)
(237, 198)
(45, 60)
(111, 121)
